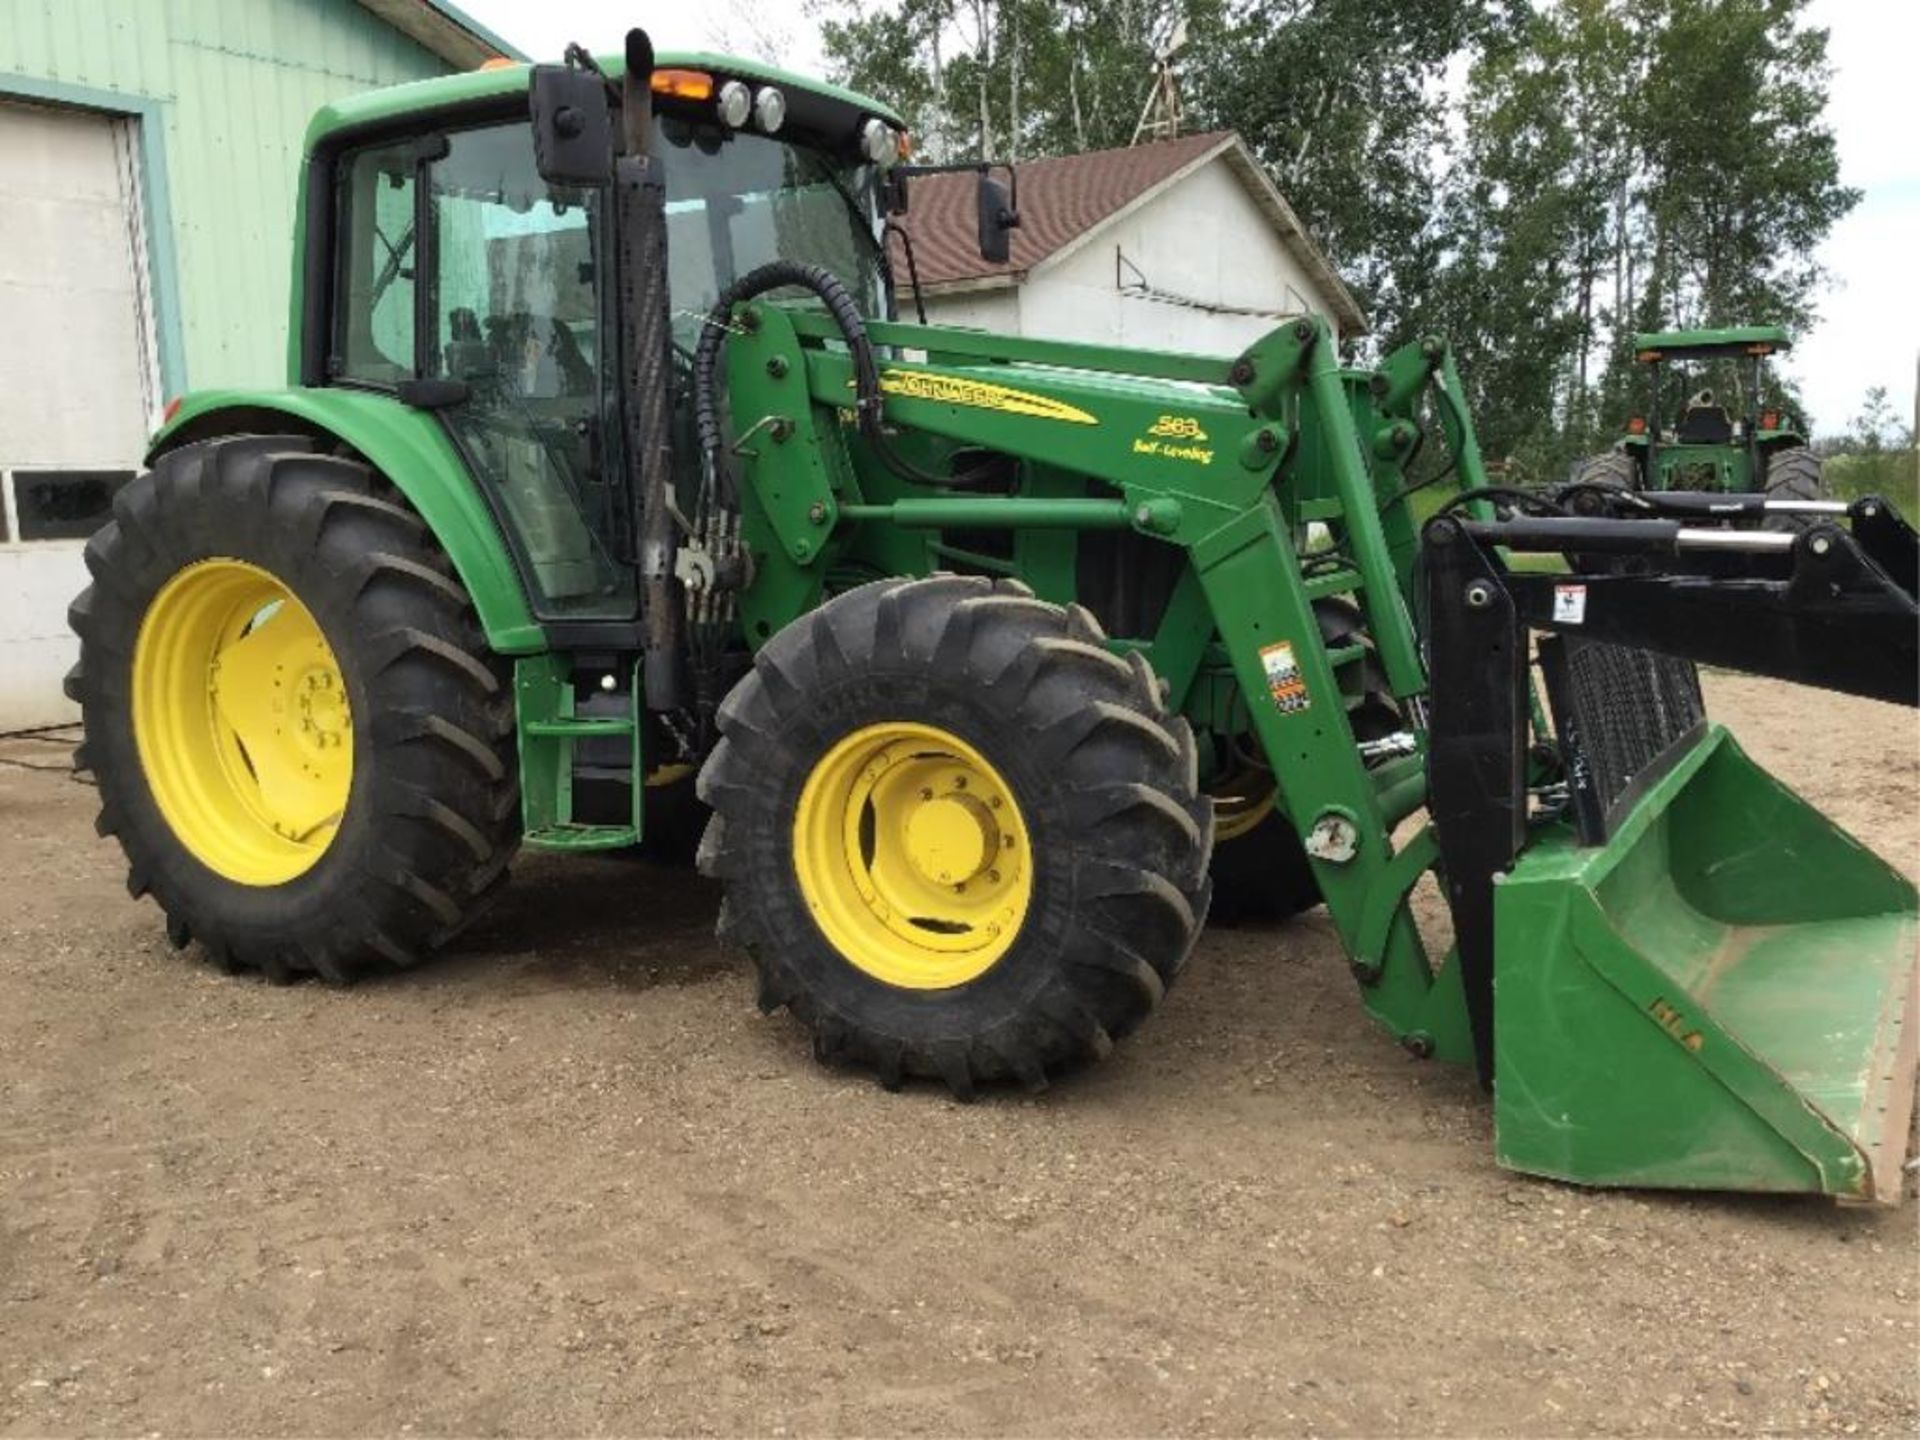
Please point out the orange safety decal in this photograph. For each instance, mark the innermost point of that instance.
(1284, 681)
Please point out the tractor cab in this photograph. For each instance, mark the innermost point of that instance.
(455, 262)
(1712, 444)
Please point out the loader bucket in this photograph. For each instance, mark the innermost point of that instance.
(1722, 996)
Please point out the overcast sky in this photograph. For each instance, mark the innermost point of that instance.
(1869, 333)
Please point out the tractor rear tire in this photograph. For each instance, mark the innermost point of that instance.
(674, 822)
(1795, 473)
(1261, 874)
(959, 837)
(301, 741)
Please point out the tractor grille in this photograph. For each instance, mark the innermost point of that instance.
(1623, 716)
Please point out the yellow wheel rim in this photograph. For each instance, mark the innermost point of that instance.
(1239, 808)
(240, 718)
(913, 856)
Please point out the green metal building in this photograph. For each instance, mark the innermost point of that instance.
(149, 151)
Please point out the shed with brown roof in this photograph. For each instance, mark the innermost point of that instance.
(1182, 244)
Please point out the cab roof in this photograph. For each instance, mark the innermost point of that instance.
(1711, 344)
(476, 87)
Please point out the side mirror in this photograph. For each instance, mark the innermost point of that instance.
(894, 191)
(997, 219)
(572, 128)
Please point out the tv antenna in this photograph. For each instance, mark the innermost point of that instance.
(1160, 117)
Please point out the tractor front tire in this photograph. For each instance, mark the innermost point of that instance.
(959, 837)
(301, 741)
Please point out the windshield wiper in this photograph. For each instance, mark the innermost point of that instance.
(396, 260)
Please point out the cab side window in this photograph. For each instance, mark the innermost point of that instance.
(373, 337)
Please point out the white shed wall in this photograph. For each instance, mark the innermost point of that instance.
(77, 381)
(995, 310)
(36, 647)
(1202, 239)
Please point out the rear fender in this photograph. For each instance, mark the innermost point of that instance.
(412, 450)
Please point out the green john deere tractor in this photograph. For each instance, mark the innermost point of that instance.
(1710, 448)
(602, 464)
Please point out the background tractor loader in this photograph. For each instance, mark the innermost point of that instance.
(999, 660)
(1750, 448)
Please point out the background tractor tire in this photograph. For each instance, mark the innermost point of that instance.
(1795, 473)
(1022, 730)
(1261, 874)
(206, 729)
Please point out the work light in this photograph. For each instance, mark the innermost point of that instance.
(877, 143)
(769, 109)
(735, 101)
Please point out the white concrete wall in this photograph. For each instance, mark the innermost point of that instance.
(37, 582)
(995, 310)
(1202, 239)
(78, 386)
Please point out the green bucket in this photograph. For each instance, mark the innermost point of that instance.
(1725, 996)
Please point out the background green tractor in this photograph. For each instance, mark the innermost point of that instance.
(602, 463)
(1745, 448)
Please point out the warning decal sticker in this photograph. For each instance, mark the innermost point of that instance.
(1284, 681)
(1569, 604)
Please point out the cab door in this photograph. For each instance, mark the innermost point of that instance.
(461, 264)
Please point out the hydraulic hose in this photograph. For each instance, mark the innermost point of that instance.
(824, 284)
(778, 275)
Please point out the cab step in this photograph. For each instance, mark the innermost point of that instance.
(545, 700)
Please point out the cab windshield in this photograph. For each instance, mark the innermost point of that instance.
(512, 294)
(736, 201)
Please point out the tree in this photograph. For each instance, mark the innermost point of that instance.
(1630, 165)
(1010, 79)
(1344, 101)
(1738, 177)
(1537, 179)
(1877, 428)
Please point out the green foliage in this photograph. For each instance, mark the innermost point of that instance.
(1630, 164)
(1534, 216)
(1739, 178)
(1344, 101)
(1895, 477)
(1010, 79)
(1875, 457)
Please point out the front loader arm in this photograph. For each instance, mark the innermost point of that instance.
(1202, 455)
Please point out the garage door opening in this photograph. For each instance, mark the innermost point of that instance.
(79, 376)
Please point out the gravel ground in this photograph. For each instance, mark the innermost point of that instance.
(565, 1181)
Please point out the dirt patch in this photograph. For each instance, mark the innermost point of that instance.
(566, 1181)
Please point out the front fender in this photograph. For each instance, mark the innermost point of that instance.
(411, 449)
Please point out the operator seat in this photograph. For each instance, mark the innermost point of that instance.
(1704, 423)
